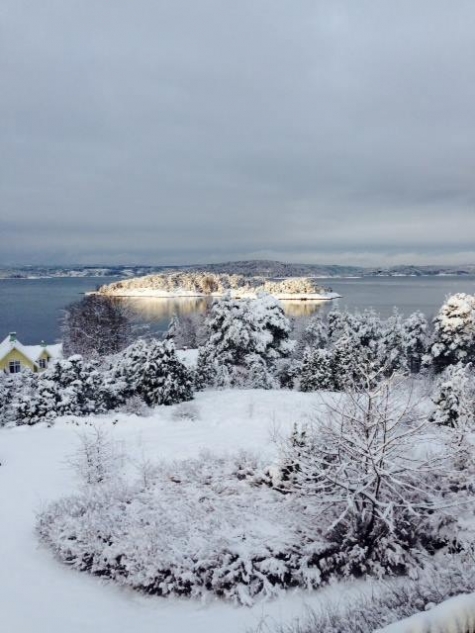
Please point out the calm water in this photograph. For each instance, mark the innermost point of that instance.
(34, 307)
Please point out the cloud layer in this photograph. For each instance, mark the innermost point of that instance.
(176, 131)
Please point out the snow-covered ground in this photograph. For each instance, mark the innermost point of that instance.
(40, 595)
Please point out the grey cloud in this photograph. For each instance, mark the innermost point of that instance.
(160, 131)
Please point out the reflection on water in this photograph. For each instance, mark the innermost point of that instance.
(155, 310)
(304, 308)
(158, 312)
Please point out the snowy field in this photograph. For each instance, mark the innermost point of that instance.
(40, 595)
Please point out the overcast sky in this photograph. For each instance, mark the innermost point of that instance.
(145, 131)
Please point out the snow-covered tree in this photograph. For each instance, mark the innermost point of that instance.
(416, 340)
(67, 387)
(9, 387)
(391, 346)
(151, 369)
(309, 333)
(364, 491)
(454, 332)
(187, 331)
(258, 375)
(351, 362)
(274, 327)
(454, 397)
(95, 326)
(317, 370)
(238, 332)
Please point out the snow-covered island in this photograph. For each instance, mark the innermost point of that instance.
(203, 284)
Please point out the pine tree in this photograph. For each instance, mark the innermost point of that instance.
(454, 332)
(151, 369)
(239, 330)
(9, 385)
(258, 375)
(416, 340)
(316, 373)
(67, 387)
(392, 350)
(454, 397)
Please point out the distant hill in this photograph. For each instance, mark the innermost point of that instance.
(268, 268)
(247, 268)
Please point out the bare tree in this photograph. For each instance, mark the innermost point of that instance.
(95, 326)
(367, 492)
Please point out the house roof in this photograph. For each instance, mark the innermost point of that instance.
(32, 352)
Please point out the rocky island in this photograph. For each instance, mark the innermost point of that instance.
(205, 284)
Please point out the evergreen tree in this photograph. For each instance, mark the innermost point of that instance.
(67, 387)
(454, 332)
(151, 369)
(317, 372)
(454, 397)
(416, 340)
(240, 330)
(392, 346)
(206, 368)
(9, 386)
(258, 375)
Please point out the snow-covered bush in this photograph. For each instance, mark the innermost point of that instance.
(135, 406)
(97, 459)
(454, 397)
(194, 528)
(360, 345)
(186, 411)
(454, 332)
(152, 370)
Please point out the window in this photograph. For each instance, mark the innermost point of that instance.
(15, 366)
(43, 363)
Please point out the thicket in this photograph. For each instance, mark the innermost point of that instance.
(356, 493)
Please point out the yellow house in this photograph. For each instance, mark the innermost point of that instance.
(15, 357)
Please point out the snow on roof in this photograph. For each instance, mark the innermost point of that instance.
(32, 352)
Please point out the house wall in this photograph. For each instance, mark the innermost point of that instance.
(14, 354)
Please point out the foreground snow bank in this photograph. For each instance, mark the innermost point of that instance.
(456, 615)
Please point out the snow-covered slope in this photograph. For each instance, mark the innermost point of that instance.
(40, 595)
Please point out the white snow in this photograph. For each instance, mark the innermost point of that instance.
(456, 615)
(40, 595)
